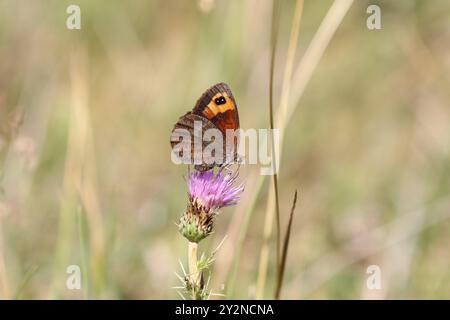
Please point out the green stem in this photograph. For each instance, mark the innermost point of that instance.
(194, 273)
(274, 38)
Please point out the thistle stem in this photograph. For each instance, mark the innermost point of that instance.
(194, 273)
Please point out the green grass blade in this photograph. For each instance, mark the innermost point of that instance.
(285, 250)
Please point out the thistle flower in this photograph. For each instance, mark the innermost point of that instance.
(208, 193)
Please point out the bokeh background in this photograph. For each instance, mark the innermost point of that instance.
(86, 175)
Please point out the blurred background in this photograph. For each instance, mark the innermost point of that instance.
(86, 177)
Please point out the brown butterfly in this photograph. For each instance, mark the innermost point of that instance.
(216, 109)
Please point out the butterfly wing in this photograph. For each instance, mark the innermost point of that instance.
(183, 137)
(217, 104)
(216, 109)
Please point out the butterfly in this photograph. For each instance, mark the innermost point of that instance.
(216, 109)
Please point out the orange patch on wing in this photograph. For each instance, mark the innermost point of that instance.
(212, 109)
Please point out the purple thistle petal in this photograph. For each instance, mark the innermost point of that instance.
(213, 191)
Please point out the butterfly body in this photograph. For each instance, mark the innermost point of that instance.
(215, 109)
